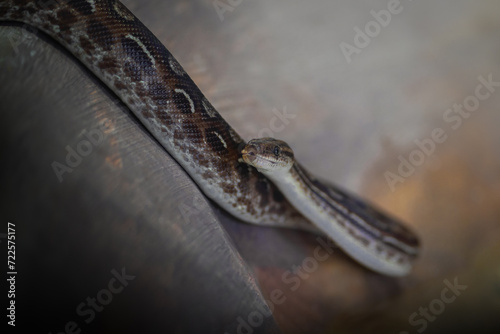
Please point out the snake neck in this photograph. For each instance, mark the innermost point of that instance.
(332, 211)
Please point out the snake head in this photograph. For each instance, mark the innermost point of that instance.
(268, 155)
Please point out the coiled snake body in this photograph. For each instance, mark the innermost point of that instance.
(113, 44)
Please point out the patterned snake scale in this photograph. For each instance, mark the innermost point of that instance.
(114, 45)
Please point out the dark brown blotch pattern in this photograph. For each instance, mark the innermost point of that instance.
(65, 18)
(262, 187)
(213, 140)
(132, 71)
(191, 129)
(83, 7)
(109, 65)
(100, 34)
(87, 45)
(159, 93)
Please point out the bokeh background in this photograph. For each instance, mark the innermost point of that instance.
(353, 120)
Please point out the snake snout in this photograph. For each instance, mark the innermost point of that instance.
(249, 153)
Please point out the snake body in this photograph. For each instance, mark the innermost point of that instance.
(114, 45)
(361, 231)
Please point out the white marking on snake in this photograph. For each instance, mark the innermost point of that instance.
(175, 66)
(208, 107)
(92, 4)
(125, 15)
(143, 47)
(221, 139)
(183, 92)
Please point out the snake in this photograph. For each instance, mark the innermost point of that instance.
(116, 47)
(349, 221)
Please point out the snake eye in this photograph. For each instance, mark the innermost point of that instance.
(277, 150)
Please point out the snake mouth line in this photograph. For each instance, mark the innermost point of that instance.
(250, 157)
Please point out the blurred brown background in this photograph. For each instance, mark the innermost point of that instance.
(352, 121)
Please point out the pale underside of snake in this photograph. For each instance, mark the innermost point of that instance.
(116, 47)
